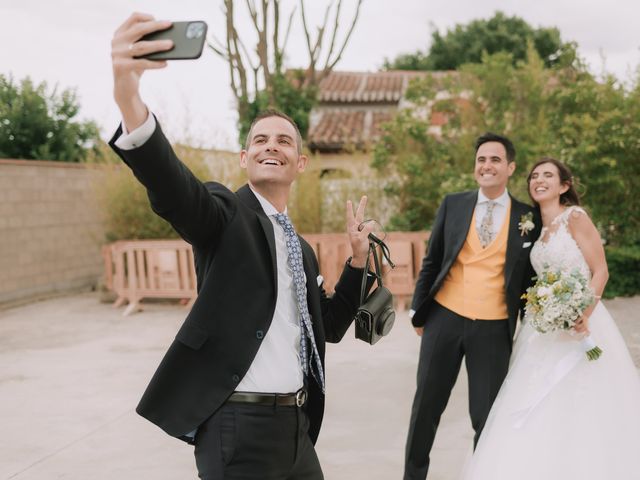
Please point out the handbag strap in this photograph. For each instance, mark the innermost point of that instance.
(373, 242)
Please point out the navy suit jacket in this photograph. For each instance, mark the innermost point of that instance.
(235, 261)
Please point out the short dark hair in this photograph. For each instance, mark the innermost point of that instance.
(494, 137)
(568, 198)
(272, 112)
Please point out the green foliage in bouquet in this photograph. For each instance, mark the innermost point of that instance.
(557, 300)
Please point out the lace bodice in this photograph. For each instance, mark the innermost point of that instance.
(556, 249)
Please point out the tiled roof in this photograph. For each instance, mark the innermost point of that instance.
(352, 106)
(337, 129)
(366, 87)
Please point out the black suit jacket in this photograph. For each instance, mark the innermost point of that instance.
(235, 260)
(448, 235)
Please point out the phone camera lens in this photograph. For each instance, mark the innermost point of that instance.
(195, 30)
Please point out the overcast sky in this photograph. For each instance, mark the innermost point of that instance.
(67, 42)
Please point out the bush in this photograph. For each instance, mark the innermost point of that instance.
(305, 202)
(336, 191)
(127, 214)
(624, 271)
(315, 205)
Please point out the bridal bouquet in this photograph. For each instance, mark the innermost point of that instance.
(557, 301)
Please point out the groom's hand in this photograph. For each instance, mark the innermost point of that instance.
(419, 330)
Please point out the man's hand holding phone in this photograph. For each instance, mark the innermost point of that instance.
(143, 43)
(126, 47)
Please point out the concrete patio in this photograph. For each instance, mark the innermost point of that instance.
(72, 370)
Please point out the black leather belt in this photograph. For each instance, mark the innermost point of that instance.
(297, 399)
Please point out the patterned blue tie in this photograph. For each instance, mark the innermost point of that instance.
(294, 259)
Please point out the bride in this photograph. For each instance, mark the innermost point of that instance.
(559, 415)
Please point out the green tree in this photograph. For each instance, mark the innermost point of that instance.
(36, 123)
(591, 125)
(466, 44)
(596, 127)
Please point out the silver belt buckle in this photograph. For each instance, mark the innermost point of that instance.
(301, 397)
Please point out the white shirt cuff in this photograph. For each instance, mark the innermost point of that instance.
(137, 138)
(412, 312)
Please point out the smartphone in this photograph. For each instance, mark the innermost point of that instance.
(188, 41)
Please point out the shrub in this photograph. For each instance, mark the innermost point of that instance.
(305, 202)
(127, 214)
(624, 271)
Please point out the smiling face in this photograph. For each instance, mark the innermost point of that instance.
(545, 184)
(271, 157)
(492, 169)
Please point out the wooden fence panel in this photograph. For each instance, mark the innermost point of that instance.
(138, 269)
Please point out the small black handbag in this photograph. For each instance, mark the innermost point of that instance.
(375, 316)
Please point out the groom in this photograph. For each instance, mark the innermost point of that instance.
(467, 296)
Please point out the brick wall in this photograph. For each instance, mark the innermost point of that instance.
(50, 228)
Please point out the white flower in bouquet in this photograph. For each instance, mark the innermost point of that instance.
(557, 301)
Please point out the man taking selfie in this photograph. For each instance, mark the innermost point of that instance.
(244, 379)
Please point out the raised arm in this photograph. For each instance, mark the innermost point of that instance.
(127, 70)
(358, 233)
(196, 212)
(338, 311)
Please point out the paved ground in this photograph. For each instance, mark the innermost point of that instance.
(72, 370)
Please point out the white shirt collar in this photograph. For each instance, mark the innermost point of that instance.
(501, 200)
(266, 205)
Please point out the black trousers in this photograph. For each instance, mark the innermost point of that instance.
(244, 441)
(447, 338)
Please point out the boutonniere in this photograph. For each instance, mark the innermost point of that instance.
(526, 224)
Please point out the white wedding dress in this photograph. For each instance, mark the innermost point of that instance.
(559, 416)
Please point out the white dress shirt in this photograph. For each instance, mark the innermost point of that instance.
(276, 367)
